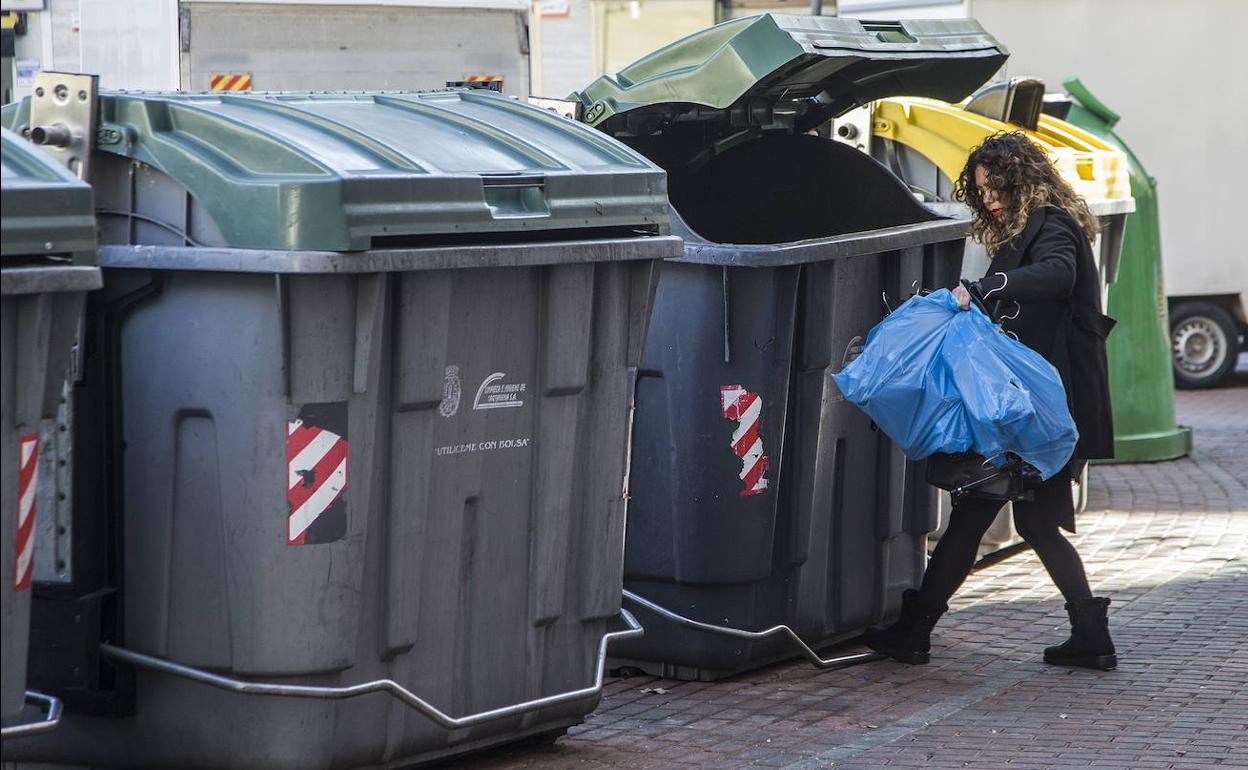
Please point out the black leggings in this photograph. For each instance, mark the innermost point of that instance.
(955, 552)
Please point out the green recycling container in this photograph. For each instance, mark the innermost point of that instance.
(1140, 378)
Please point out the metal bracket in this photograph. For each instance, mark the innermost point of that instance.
(969, 487)
(854, 128)
(63, 117)
(843, 661)
(388, 686)
(54, 533)
(52, 708)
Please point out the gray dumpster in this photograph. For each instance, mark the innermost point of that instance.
(366, 362)
(47, 249)
(759, 497)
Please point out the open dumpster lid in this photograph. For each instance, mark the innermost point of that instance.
(795, 72)
(349, 171)
(45, 210)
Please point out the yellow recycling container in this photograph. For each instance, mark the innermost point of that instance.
(945, 134)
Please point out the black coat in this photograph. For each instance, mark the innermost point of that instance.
(1046, 279)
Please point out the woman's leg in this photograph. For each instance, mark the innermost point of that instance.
(955, 552)
(1090, 644)
(1039, 528)
(909, 640)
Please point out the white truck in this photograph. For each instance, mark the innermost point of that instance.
(1208, 301)
(272, 45)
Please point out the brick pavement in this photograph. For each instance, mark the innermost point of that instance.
(1167, 541)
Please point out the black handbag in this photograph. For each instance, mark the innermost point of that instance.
(970, 474)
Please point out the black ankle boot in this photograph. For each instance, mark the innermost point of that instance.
(909, 640)
(1089, 645)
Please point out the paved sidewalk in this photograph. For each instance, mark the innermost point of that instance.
(1167, 541)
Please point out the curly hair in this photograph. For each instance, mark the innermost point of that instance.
(1020, 170)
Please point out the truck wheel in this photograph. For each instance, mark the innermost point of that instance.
(1204, 344)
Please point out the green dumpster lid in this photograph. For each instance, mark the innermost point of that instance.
(45, 210)
(337, 170)
(794, 72)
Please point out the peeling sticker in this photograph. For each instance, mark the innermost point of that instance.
(27, 482)
(746, 408)
(316, 483)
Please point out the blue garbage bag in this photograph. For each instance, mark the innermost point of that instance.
(939, 379)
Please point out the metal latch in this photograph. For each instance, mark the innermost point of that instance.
(63, 116)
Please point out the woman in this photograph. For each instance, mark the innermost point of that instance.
(1044, 282)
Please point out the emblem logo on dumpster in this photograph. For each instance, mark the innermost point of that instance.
(27, 465)
(452, 391)
(316, 484)
(496, 393)
(745, 407)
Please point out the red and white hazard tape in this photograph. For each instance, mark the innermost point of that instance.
(27, 481)
(745, 407)
(316, 461)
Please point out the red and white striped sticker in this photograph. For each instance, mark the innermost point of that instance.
(745, 407)
(316, 461)
(28, 465)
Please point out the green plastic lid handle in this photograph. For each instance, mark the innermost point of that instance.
(1081, 94)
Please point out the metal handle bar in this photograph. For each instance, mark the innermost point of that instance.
(53, 718)
(965, 488)
(388, 686)
(810, 655)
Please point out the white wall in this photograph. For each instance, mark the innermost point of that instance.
(627, 30)
(131, 45)
(566, 48)
(66, 36)
(600, 36)
(1177, 73)
(51, 41)
(893, 9)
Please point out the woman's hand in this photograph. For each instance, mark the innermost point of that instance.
(962, 296)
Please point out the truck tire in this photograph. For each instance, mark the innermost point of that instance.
(1204, 344)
